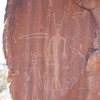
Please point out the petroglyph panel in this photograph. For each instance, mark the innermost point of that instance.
(52, 49)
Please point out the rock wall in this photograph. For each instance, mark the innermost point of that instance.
(52, 49)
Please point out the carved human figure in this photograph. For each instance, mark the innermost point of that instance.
(54, 46)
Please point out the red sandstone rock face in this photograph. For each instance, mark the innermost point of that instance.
(88, 4)
(49, 45)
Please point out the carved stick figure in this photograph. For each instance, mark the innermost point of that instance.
(54, 46)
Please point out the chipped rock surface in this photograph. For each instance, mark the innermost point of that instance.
(52, 49)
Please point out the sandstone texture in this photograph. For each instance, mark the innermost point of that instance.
(52, 49)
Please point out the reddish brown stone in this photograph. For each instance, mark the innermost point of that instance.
(52, 49)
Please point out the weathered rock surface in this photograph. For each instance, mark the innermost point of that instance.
(52, 49)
